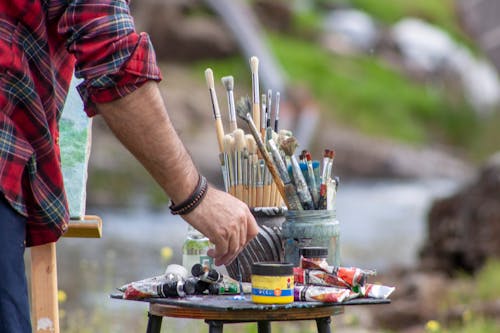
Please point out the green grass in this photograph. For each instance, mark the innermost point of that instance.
(367, 94)
(441, 13)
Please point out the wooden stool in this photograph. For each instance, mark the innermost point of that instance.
(224, 309)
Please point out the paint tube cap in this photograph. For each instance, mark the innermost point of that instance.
(313, 252)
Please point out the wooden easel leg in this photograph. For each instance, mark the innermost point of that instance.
(44, 306)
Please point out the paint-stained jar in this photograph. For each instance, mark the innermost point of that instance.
(311, 228)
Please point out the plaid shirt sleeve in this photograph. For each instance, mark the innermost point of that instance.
(112, 58)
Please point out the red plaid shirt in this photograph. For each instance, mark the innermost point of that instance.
(41, 42)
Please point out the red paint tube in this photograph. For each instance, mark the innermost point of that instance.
(351, 275)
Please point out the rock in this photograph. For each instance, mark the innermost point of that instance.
(180, 36)
(362, 156)
(430, 49)
(349, 29)
(464, 229)
(276, 15)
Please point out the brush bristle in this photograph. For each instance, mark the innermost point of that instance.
(289, 145)
(254, 64)
(243, 107)
(228, 82)
(251, 144)
(209, 76)
(228, 142)
(239, 139)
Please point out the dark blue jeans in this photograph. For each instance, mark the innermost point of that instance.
(14, 304)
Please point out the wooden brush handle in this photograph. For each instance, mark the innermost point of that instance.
(219, 129)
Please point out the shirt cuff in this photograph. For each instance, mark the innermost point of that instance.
(139, 68)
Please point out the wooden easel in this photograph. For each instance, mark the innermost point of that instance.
(44, 302)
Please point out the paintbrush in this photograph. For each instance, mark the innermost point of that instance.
(245, 168)
(288, 146)
(254, 67)
(313, 187)
(277, 112)
(240, 143)
(269, 108)
(228, 143)
(209, 76)
(291, 192)
(228, 83)
(331, 184)
(322, 190)
(263, 117)
(252, 159)
(243, 111)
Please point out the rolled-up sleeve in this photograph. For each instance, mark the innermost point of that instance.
(111, 57)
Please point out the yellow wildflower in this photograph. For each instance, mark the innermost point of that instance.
(432, 326)
(61, 296)
(166, 253)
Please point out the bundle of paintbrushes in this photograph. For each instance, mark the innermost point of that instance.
(261, 168)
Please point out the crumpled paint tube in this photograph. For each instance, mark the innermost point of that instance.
(322, 294)
(317, 277)
(352, 275)
(150, 280)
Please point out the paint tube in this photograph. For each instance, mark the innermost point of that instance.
(150, 280)
(322, 294)
(167, 288)
(172, 272)
(207, 275)
(376, 291)
(317, 277)
(353, 276)
(229, 288)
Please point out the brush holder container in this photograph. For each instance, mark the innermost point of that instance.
(265, 247)
(311, 228)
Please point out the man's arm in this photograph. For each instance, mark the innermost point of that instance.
(140, 121)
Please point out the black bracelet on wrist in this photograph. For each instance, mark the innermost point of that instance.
(193, 201)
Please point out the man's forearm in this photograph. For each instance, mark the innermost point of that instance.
(141, 123)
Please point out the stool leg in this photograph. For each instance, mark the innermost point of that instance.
(154, 323)
(323, 325)
(264, 326)
(215, 326)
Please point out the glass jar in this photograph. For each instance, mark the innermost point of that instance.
(194, 250)
(311, 228)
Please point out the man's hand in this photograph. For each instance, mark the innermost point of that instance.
(226, 221)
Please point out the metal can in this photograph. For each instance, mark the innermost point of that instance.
(272, 283)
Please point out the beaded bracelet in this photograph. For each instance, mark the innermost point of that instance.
(193, 201)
